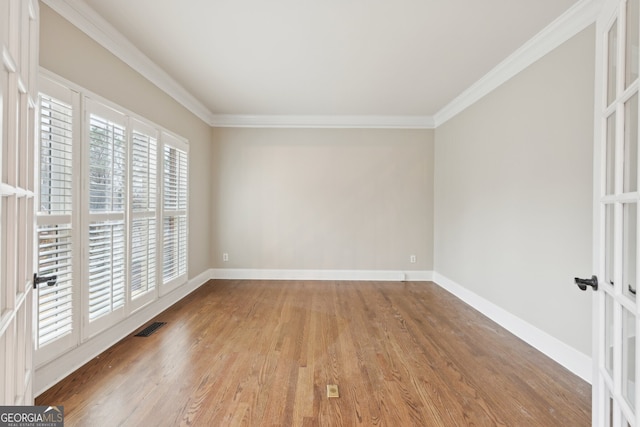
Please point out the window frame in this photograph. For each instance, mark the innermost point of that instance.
(84, 103)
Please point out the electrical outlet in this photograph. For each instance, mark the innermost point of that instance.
(412, 259)
(225, 257)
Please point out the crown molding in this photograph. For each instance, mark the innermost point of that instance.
(567, 25)
(89, 22)
(320, 121)
(574, 20)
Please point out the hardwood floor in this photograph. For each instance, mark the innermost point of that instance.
(261, 353)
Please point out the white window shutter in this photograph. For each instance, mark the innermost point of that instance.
(56, 158)
(107, 147)
(106, 254)
(106, 268)
(112, 221)
(56, 238)
(55, 303)
(175, 200)
(144, 213)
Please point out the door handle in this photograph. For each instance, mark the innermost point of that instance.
(583, 283)
(50, 280)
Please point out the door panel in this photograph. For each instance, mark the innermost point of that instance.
(615, 385)
(632, 25)
(18, 42)
(630, 172)
(629, 249)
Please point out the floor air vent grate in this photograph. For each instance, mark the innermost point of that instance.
(150, 329)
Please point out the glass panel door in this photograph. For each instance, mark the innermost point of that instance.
(18, 43)
(615, 385)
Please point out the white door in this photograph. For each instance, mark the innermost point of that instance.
(18, 44)
(616, 390)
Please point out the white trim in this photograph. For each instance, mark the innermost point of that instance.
(8, 61)
(310, 121)
(575, 361)
(567, 25)
(49, 374)
(89, 22)
(354, 275)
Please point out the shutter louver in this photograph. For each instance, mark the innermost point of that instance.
(143, 256)
(171, 178)
(174, 224)
(55, 156)
(175, 242)
(106, 268)
(107, 194)
(107, 166)
(55, 303)
(55, 235)
(144, 172)
(144, 205)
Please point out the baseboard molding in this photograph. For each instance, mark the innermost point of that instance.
(353, 275)
(52, 372)
(575, 361)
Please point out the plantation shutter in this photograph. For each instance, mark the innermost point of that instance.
(144, 213)
(174, 220)
(57, 241)
(107, 194)
(104, 228)
(55, 303)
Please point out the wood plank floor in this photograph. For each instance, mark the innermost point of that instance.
(261, 353)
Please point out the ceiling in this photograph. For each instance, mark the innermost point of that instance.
(327, 57)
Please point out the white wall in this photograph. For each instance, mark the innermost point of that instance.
(323, 199)
(513, 194)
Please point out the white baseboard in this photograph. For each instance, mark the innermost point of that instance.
(52, 372)
(355, 275)
(575, 361)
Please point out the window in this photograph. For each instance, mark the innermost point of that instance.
(121, 241)
(107, 196)
(144, 213)
(174, 221)
(56, 221)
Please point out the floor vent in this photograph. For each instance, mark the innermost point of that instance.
(150, 329)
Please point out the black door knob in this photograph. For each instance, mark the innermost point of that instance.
(49, 280)
(583, 283)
